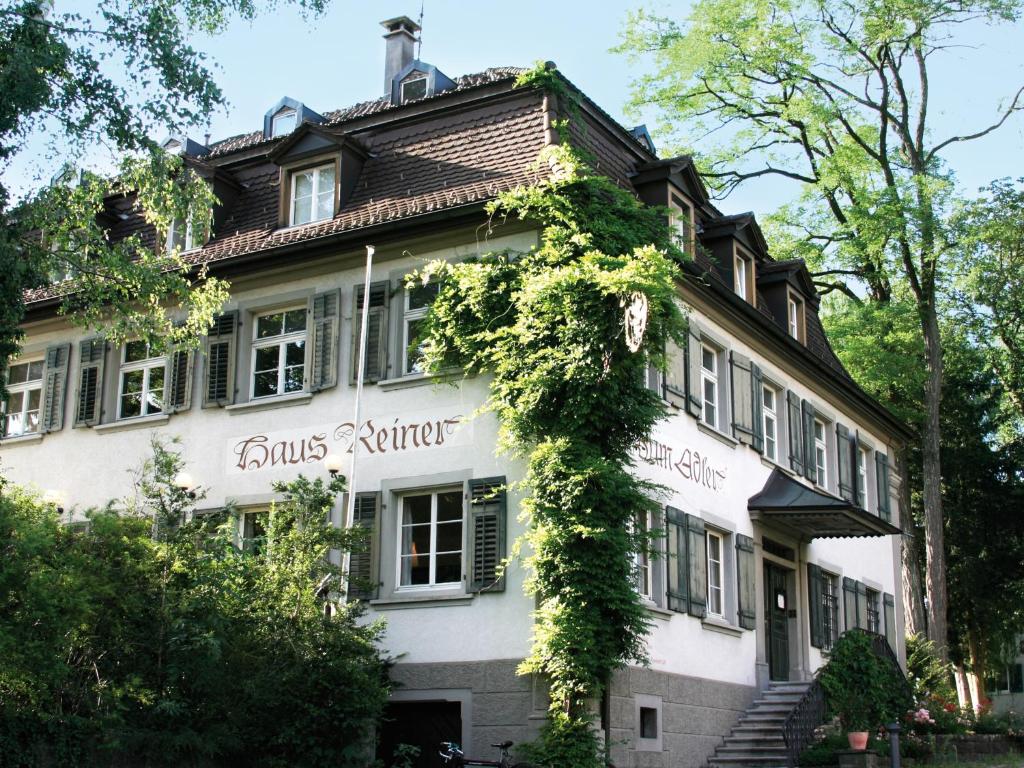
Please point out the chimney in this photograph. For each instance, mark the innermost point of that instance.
(400, 37)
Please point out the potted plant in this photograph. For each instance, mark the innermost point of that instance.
(861, 689)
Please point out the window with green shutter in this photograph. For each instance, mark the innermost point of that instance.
(364, 568)
(220, 351)
(325, 318)
(55, 384)
(375, 365)
(92, 356)
(882, 482)
(488, 509)
(795, 431)
(745, 588)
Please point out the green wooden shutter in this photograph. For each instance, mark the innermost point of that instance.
(757, 407)
(795, 433)
(376, 363)
(324, 320)
(845, 462)
(678, 566)
(675, 375)
(220, 361)
(889, 617)
(850, 612)
(882, 483)
(741, 388)
(810, 464)
(862, 605)
(179, 380)
(745, 581)
(55, 385)
(694, 395)
(91, 354)
(364, 561)
(697, 572)
(487, 512)
(815, 597)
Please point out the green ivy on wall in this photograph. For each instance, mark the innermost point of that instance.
(571, 399)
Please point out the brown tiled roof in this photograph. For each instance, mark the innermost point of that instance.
(363, 109)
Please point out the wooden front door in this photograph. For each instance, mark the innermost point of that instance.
(776, 619)
(422, 724)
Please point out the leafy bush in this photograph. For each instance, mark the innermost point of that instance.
(862, 689)
(150, 639)
(823, 751)
(927, 673)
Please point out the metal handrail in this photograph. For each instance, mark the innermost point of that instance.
(803, 719)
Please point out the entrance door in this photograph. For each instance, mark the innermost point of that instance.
(422, 724)
(776, 619)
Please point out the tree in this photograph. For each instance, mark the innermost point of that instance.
(108, 79)
(151, 638)
(834, 95)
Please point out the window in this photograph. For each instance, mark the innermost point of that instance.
(414, 88)
(715, 589)
(417, 302)
(181, 235)
(430, 538)
(709, 384)
(829, 609)
(254, 531)
(795, 318)
(312, 195)
(770, 423)
(142, 382)
(820, 454)
(644, 584)
(283, 122)
(874, 612)
(862, 477)
(24, 391)
(743, 276)
(648, 723)
(279, 353)
(682, 224)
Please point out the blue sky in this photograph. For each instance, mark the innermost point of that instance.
(337, 60)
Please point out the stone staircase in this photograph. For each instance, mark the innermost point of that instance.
(756, 739)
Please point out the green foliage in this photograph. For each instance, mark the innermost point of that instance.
(570, 398)
(927, 673)
(862, 689)
(152, 639)
(823, 751)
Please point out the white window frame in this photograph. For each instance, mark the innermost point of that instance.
(433, 553)
(743, 273)
(644, 572)
(712, 377)
(862, 476)
(188, 242)
(716, 566)
(681, 222)
(25, 388)
(770, 416)
(281, 114)
(410, 316)
(316, 172)
(401, 88)
(281, 341)
(147, 365)
(821, 451)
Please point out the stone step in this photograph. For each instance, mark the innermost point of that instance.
(754, 749)
(734, 740)
(753, 731)
(743, 762)
(771, 706)
(774, 718)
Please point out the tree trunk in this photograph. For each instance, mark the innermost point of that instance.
(935, 551)
(910, 556)
(976, 672)
(963, 693)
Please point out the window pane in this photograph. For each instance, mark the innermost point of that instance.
(265, 384)
(17, 374)
(303, 185)
(422, 295)
(415, 510)
(35, 370)
(131, 404)
(715, 601)
(449, 568)
(325, 182)
(15, 401)
(33, 399)
(769, 399)
(155, 395)
(293, 378)
(710, 392)
(294, 320)
(707, 359)
(819, 431)
(714, 548)
(269, 325)
(284, 122)
(415, 570)
(295, 353)
(449, 505)
(414, 356)
(710, 414)
(414, 89)
(131, 381)
(32, 421)
(14, 424)
(449, 537)
(135, 350)
(267, 358)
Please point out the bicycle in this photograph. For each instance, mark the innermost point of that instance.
(454, 757)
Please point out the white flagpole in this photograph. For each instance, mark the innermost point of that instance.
(350, 513)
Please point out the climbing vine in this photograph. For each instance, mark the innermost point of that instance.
(570, 398)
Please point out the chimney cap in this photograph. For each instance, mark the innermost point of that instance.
(400, 24)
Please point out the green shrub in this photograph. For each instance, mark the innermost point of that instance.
(928, 675)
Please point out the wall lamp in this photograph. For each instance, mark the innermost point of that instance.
(56, 498)
(185, 483)
(334, 463)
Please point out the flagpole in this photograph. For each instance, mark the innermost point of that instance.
(360, 371)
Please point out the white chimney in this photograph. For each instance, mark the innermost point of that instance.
(401, 39)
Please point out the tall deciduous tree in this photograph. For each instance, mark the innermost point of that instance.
(107, 78)
(834, 95)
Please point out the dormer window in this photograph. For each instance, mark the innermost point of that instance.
(414, 88)
(795, 318)
(682, 224)
(184, 235)
(283, 122)
(743, 275)
(172, 147)
(312, 194)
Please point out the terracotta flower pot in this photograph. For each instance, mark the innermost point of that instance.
(858, 739)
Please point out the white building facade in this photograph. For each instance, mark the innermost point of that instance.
(782, 500)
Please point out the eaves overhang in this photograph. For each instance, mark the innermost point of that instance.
(811, 514)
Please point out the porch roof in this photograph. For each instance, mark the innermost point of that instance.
(811, 514)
